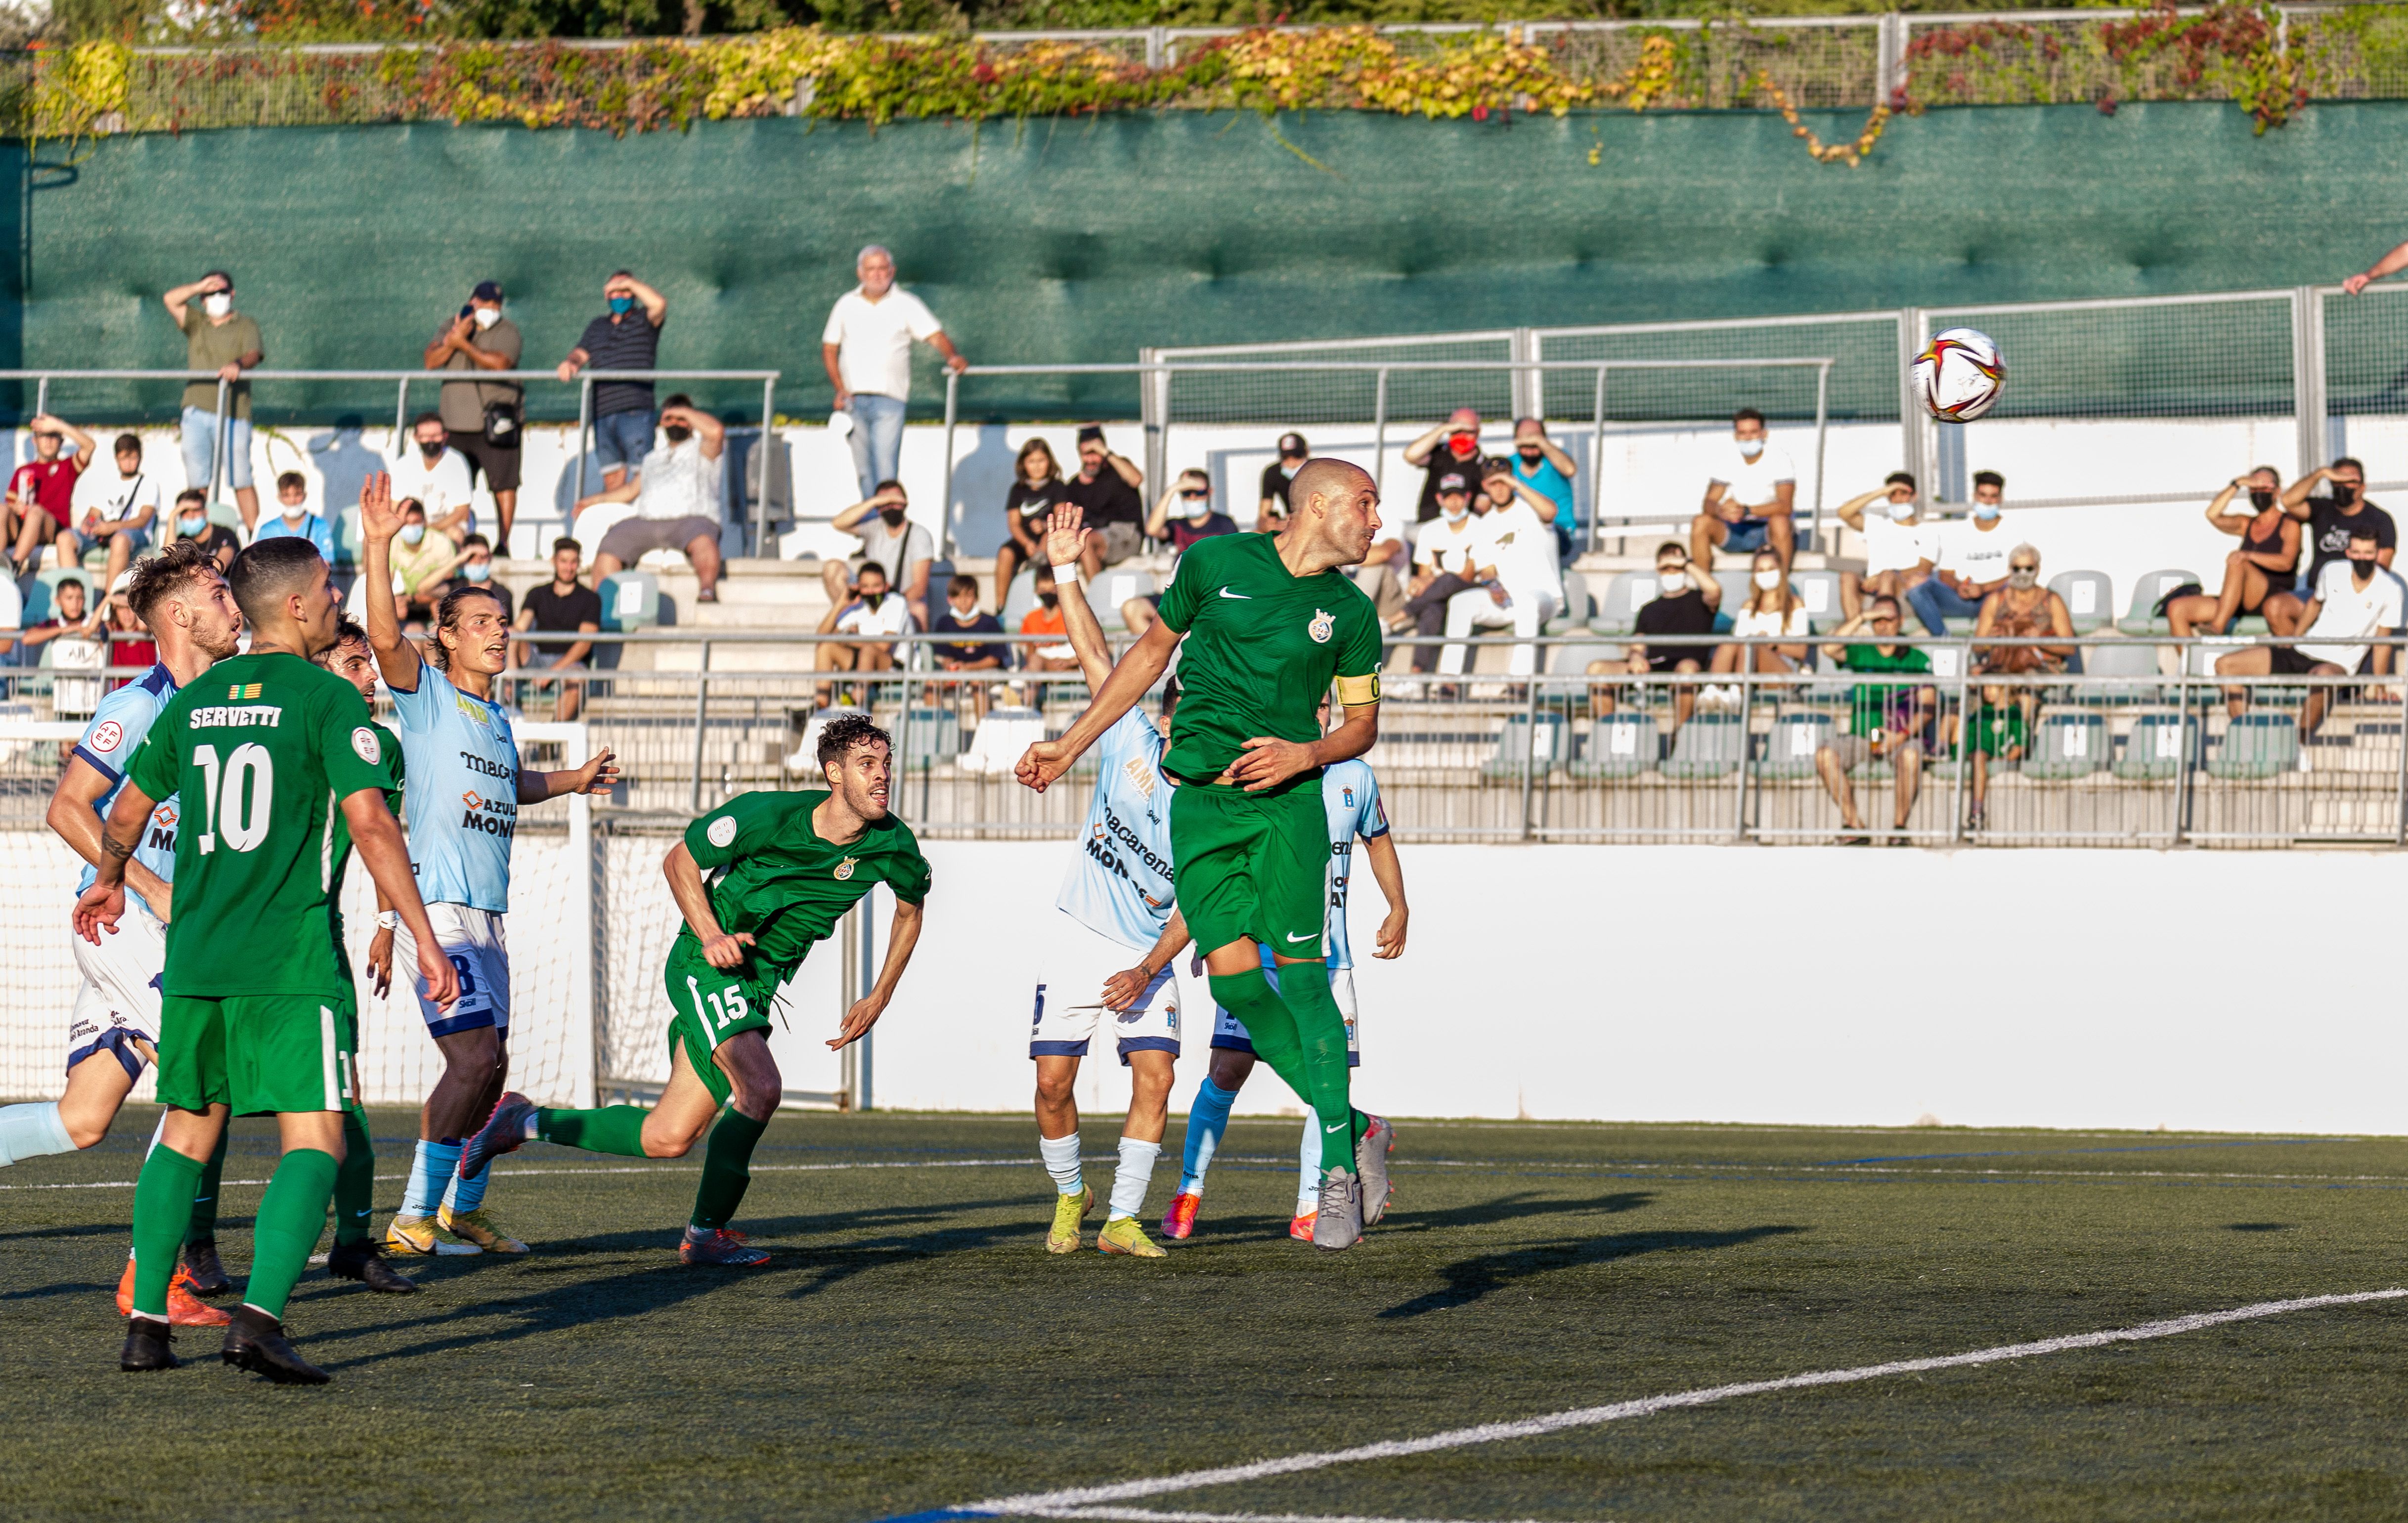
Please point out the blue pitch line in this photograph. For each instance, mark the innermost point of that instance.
(1757, 1173)
(2068, 1151)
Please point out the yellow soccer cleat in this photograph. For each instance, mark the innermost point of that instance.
(477, 1227)
(1122, 1235)
(1069, 1212)
(415, 1235)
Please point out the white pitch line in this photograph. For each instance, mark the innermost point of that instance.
(1042, 1504)
(1141, 1515)
(665, 1167)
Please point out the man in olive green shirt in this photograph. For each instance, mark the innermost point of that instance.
(221, 340)
(1886, 718)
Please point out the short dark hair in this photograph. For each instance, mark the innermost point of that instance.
(1896, 477)
(477, 540)
(2365, 531)
(430, 416)
(347, 629)
(962, 584)
(77, 583)
(190, 494)
(1671, 547)
(128, 444)
(1746, 415)
(220, 275)
(846, 731)
(886, 486)
(268, 569)
(867, 567)
(164, 575)
(1170, 693)
(2352, 462)
(1989, 478)
(407, 505)
(292, 479)
(564, 542)
(676, 399)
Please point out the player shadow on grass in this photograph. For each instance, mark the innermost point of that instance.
(1507, 1207)
(1470, 1279)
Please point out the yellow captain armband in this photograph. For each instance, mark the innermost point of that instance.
(1357, 691)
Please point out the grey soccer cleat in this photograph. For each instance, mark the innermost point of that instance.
(1338, 1223)
(1372, 1161)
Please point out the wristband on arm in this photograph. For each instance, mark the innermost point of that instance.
(1067, 576)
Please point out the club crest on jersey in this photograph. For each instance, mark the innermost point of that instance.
(364, 742)
(721, 831)
(844, 868)
(1324, 622)
(1349, 797)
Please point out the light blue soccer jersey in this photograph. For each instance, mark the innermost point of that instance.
(1351, 794)
(1119, 885)
(461, 792)
(108, 742)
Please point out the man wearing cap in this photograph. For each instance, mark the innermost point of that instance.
(1106, 488)
(483, 418)
(1293, 453)
(866, 347)
(1451, 449)
(221, 340)
(1445, 553)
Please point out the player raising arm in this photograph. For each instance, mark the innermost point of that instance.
(783, 868)
(260, 756)
(1270, 623)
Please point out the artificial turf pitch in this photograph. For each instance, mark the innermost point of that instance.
(912, 1346)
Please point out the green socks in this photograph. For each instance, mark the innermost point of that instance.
(290, 1214)
(613, 1128)
(354, 1178)
(203, 1223)
(1302, 1035)
(163, 1204)
(727, 1168)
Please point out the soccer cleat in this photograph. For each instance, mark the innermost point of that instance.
(503, 1133)
(255, 1342)
(360, 1261)
(414, 1237)
(1122, 1235)
(182, 1310)
(1179, 1218)
(1069, 1212)
(1371, 1152)
(476, 1226)
(1338, 1223)
(205, 1276)
(705, 1246)
(1301, 1228)
(147, 1347)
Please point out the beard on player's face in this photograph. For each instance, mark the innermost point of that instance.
(860, 779)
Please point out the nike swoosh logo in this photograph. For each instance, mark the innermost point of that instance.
(1308, 936)
(1226, 593)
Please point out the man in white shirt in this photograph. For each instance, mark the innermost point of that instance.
(866, 347)
(1517, 581)
(1749, 497)
(2354, 599)
(1446, 549)
(436, 475)
(676, 494)
(901, 548)
(1969, 560)
(875, 613)
(121, 513)
(1898, 549)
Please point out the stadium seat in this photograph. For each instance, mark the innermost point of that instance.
(2154, 749)
(1708, 746)
(1623, 596)
(1109, 590)
(2121, 658)
(930, 737)
(225, 515)
(630, 600)
(1574, 615)
(1519, 743)
(1619, 745)
(1000, 738)
(1819, 591)
(2256, 745)
(347, 538)
(2089, 597)
(2068, 745)
(1790, 752)
(1573, 660)
(2153, 585)
(1019, 600)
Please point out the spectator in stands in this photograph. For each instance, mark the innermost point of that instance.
(2331, 519)
(1293, 453)
(677, 492)
(883, 526)
(1046, 619)
(129, 639)
(423, 557)
(2003, 724)
(294, 521)
(1445, 553)
(1969, 559)
(12, 619)
(622, 338)
(70, 619)
(1539, 463)
(483, 418)
(120, 512)
(2355, 598)
(1107, 487)
(1036, 491)
(876, 615)
(429, 469)
(1685, 602)
(2250, 508)
(562, 604)
(1183, 515)
(1517, 583)
(1749, 497)
(1898, 547)
(1450, 448)
(41, 493)
(1386, 568)
(192, 523)
(962, 616)
(1886, 719)
(866, 347)
(472, 566)
(1772, 611)
(217, 337)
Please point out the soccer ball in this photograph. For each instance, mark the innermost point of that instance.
(1960, 375)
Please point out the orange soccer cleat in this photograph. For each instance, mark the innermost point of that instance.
(184, 1309)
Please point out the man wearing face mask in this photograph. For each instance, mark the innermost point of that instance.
(677, 495)
(1293, 453)
(484, 417)
(889, 538)
(1451, 449)
(1970, 559)
(1685, 603)
(627, 337)
(874, 612)
(1539, 465)
(219, 339)
(2331, 518)
(420, 557)
(192, 523)
(1897, 546)
(1749, 498)
(429, 469)
(1445, 555)
(472, 566)
(2355, 596)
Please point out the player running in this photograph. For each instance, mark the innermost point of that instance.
(1115, 900)
(783, 868)
(1269, 621)
(465, 790)
(260, 756)
(1350, 796)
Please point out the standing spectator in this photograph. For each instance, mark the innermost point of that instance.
(1969, 559)
(1444, 556)
(1772, 611)
(1539, 463)
(962, 616)
(1685, 603)
(1451, 449)
(130, 642)
(677, 493)
(2331, 519)
(2001, 726)
(889, 539)
(1885, 719)
(875, 613)
(1749, 497)
(297, 520)
(562, 604)
(1046, 619)
(1108, 487)
(1293, 453)
(2250, 508)
(2355, 598)
(485, 417)
(41, 493)
(121, 513)
(866, 347)
(422, 558)
(1898, 548)
(217, 337)
(438, 475)
(622, 338)
(192, 523)
(1036, 491)
(1518, 583)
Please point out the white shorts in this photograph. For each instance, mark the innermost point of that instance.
(471, 941)
(119, 1003)
(1230, 1032)
(1070, 998)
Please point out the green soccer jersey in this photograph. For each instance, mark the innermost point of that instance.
(390, 763)
(260, 751)
(1262, 647)
(772, 876)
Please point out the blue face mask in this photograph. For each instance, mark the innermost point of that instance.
(476, 571)
(193, 524)
(621, 306)
(1986, 511)
(412, 533)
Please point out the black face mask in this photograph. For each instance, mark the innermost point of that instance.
(893, 516)
(1049, 599)
(2363, 568)
(676, 435)
(2343, 494)
(2261, 497)
(432, 451)
(873, 600)
(1532, 454)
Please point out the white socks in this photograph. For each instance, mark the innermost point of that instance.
(1308, 1157)
(1061, 1155)
(1135, 1173)
(32, 1130)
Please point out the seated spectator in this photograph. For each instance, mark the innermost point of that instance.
(1036, 492)
(562, 605)
(1898, 548)
(422, 558)
(1184, 515)
(1886, 719)
(129, 639)
(2250, 508)
(1387, 566)
(2356, 597)
(876, 614)
(962, 617)
(12, 619)
(882, 523)
(297, 521)
(1046, 619)
(192, 523)
(2001, 725)
(41, 493)
(122, 513)
(1684, 603)
(70, 619)
(1539, 465)
(1445, 552)
(438, 476)
(1272, 503)
(1517, 583)
(1749, 498)
(677, 493)
(473, 566)
(1450, 448)
(1773, 610)
(1969, 559)
(1107, 486)
(74, 637)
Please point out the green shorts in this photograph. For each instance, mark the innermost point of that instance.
(711, 1006)
(1997, 729)
(261, 1054)
(1253, 867)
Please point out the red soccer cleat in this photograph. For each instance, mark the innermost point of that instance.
(1301, 1229)
(1179, 1218)
(184, 1309)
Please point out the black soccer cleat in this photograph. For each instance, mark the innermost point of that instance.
(363, 1262)
(208, 1277)
(255, 1342)
(147, 1347)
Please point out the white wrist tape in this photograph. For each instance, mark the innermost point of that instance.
(1067, 576)
(389, 919)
